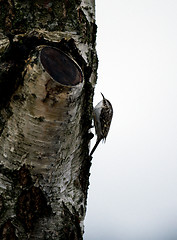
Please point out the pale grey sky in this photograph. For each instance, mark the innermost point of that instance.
(133, 184)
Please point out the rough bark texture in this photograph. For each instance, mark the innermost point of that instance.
(47, 74)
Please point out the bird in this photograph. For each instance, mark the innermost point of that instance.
(102, 115)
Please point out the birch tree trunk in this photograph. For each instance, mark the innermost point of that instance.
(47, 75)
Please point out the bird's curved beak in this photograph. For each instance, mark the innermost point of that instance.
(102, 95)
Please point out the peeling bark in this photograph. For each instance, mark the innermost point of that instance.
(47, 75)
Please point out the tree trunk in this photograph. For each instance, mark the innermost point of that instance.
(47, 75)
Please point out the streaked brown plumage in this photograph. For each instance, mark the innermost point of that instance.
(102, 114)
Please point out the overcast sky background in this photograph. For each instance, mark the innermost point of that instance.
(133, 183)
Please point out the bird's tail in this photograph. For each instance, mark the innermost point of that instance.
(96, 145)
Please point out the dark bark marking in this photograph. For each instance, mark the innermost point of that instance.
(24, 177)
(7, 231)
(1, 204)
(31, 205)
(71, 223)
